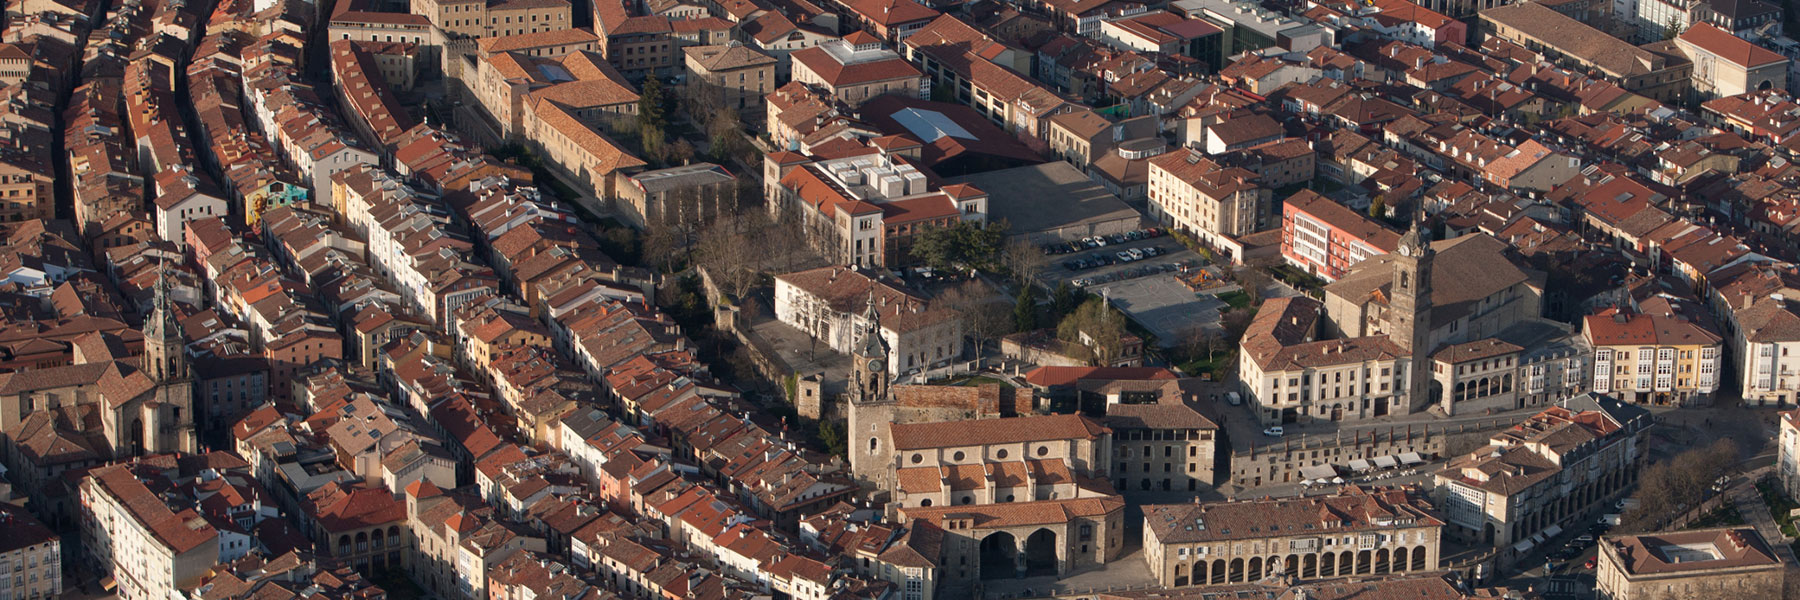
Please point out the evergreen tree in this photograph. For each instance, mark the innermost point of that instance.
(1025, 309)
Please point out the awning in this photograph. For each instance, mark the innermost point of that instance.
(1411, 458)
(1538, 538)
(1522, 546)
(1552, 531)
(1318, 472)
(1359, 465)
(1386, 462)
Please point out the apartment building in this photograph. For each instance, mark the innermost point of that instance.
(25, 189)
(1556, 470)
(1357, 531)
(1787, 467)
(1663, 351)
(1198, 196)
(1325, 238)
(30, 558)
(1759, 310)
(145, 527)
(741, 75)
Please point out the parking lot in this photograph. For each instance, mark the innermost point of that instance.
(1094, 264)
(1150, 289)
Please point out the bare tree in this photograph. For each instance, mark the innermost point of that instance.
(985, 315)
(1202, 340)
(1253, 277)
(1236, 321)
(734, 249)
(1021, 260)
(1668, 488)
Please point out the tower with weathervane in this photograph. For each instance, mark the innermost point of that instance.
(167, 413)
(1410, 324)
(871, 405)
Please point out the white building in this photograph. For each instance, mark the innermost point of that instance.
(829, 304)
(31, 556)
(1766, 342)
(182, 196)
(152, 544)
(1788, 467)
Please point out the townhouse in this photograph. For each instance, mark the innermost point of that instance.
(1663, 351)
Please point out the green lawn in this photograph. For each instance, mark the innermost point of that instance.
(1214, 366)
(1779, 505)
(1237, 299)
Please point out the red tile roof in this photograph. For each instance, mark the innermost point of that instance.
(1727, 46)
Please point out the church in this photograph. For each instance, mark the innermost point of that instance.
(1021, 495)
(1398, 330)
(106, 404)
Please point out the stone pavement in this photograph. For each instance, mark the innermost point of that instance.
(1128, 572)
(1750, 505)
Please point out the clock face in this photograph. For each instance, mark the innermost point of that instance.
(1405, 251)
(875, 366)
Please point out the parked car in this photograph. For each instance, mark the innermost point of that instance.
(1591, 563)
(1585, 539)
(1275, 431)
(1234, 399)
(1124, 256)
(1137, 254)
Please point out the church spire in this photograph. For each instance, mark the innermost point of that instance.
(871, 345)
(165, 348)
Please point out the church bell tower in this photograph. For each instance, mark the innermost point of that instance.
(169, 415)
(165, 349)
(1410, 312)
(871, 406)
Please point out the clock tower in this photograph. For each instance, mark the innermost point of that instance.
(871, 406)
(1409, 313)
